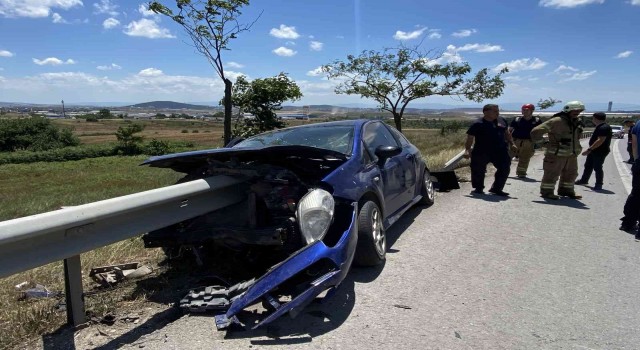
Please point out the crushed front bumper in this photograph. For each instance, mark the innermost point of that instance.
(331, 263)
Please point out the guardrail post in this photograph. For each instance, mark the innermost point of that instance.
(73, 290)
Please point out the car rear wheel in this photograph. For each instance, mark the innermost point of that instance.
(372, 241)
(427, 191)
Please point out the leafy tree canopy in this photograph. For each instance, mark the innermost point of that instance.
(547, 103)
(397, 76)
(262, 97)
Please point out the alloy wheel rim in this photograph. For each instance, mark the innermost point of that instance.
(379, 239)
(428, 184)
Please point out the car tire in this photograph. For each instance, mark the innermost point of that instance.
(372, 241)
(427, 190)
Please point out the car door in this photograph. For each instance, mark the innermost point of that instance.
(393, 170)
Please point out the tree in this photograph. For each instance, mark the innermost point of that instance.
(397, 76)
(210, 24)
(104, 114)
(129, 142)
(261, 97)
(547, 103)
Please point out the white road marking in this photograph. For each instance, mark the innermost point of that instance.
(625, 174)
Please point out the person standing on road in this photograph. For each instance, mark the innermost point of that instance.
(520, 130)
(632, 205)
(599, 148)
(561, 156)
(490, 139)
(629, 124)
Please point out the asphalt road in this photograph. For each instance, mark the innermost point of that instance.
(471, 273)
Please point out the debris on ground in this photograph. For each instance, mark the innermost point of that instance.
(39, 291)
(107, 276)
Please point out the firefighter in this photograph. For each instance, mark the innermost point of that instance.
(561, 156)
(520, 130)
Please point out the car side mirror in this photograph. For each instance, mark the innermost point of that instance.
(386, 152)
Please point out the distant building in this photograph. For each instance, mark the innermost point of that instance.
(610, 105)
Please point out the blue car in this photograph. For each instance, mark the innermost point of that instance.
(319, 197)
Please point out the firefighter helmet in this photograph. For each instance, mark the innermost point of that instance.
(529, 106)
(573, 106)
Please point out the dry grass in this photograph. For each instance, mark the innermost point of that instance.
(27, 189)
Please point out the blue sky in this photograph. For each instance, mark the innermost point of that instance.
(115, 51)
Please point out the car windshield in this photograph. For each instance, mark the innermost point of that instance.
(337, 138)
(616, 127)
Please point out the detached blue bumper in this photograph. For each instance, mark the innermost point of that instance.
(331, 264)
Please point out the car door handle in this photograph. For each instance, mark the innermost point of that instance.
(409, 156)
(376, 179)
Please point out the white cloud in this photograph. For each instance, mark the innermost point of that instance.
(110, 23)
(316, 46)
(563, 68)
(148, 29)
(144, 10)
(339, 36)
(316, 72)
(435, 35)
(283, 51)
(57, 18)
(400, 35)
(52, 61)
(5, 53)
(635, 2)
(579, 76)
(567, 3)
(284, 32)
(34, 8)
(625, 54)
(290, 43)
(464, 33)
(234, 65)
(476, 48)
(111, 66)
(521, 64)
(150, 72)
(106, 7)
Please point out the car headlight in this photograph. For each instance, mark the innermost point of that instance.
(315, 213)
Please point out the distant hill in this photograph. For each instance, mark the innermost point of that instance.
(168, 105)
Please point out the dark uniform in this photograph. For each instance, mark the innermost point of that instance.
(630, 145)
(522, 139)
(489, 146)
(632, 205)
(595, 158)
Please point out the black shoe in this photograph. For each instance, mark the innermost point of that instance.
(630, 161)
(499, 193)
(597, 187)
(581, 182)
(629, 228)
(478, 191)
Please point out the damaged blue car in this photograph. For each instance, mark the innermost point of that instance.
(319, 197)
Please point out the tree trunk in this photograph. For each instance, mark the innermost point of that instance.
(227, 111)
(397, 118)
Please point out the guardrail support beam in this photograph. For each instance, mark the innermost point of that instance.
(73, 291)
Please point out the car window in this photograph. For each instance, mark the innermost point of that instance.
(337, 138)
(399, 137)
(376, 135)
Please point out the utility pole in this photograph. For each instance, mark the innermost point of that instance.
(63, 114)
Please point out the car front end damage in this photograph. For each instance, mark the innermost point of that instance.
(288, 241)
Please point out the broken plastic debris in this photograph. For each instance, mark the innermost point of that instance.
(110, 275)
(39, 291)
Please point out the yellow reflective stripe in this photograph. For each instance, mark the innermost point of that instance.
(566, 184)
(548, 185)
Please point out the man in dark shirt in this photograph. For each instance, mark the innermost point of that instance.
(597, 151)
(520, 129)
(489, 138)
(629, 124)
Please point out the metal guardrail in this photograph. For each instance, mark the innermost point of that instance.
(453, 162)
(63, 234)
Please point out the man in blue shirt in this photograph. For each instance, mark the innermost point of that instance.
(597, 151)
(632, 206)
(489, 138)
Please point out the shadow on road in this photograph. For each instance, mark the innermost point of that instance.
(487, 197)
(523, 179)
(565, 202)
